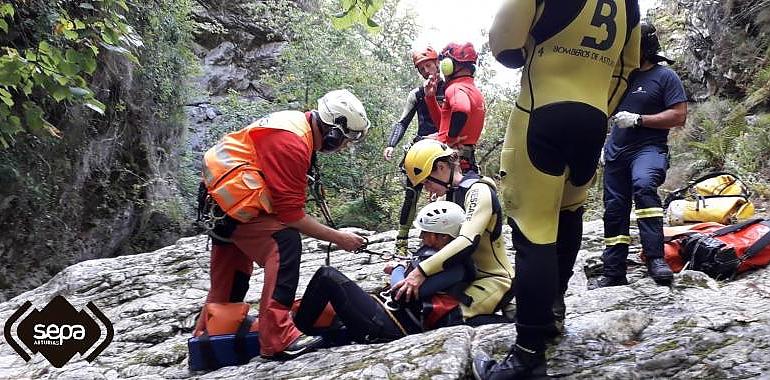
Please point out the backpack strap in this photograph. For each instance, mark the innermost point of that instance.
(208, 351)
(736, 227)
(240, 339)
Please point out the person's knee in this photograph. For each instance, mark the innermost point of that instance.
(644, 185)
(614, 208)
(327, 274)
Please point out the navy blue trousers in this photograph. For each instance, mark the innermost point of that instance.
(633, 177)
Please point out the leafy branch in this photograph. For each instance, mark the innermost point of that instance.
(358, 12)
(48, 52)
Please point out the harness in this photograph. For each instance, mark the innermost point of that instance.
(212, 219)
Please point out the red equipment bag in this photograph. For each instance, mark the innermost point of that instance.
(717, 250)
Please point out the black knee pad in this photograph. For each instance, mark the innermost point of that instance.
(240, 286)
(289, 251)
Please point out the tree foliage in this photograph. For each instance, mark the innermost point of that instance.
(363, 190)
(48, 51)
(358, 12)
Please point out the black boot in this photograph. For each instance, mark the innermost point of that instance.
(605, 281)
(659, 270)
(520, 363)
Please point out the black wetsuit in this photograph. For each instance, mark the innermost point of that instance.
(415, 105)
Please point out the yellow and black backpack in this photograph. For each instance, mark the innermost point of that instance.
(719, 197)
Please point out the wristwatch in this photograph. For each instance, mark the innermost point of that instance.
(638, 122)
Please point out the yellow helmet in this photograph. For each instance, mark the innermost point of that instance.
(420, 158)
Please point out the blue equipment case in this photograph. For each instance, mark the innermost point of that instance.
(213, 352)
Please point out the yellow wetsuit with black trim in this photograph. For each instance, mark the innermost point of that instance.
(480, 239)
(576, 58)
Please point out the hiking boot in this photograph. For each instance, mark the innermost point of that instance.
(302, 345)
(659, 270)
(520, 363)
(605, 281)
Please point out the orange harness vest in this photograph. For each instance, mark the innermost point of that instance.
(231, 168)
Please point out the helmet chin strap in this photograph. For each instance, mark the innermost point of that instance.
(447, 185)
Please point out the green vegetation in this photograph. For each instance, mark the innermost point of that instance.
(101, 178)
(363, 191)
(727, 71)
(358, 12)
(668, 346)
(48, 53)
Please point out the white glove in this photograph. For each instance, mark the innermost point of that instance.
(624, 119)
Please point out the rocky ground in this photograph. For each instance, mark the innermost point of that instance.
(697, 328)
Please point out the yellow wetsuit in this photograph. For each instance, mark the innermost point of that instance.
(576, 58)
(480, 238)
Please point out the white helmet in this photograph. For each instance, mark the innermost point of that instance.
(441, 217)
(342, 109)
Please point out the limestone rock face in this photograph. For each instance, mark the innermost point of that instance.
(697, 328)
(717, 44)
(235, 42)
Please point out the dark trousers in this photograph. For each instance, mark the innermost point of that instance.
(553, 265)
(365, 318)
(633, 177)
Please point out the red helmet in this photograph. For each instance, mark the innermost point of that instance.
(460, 52)
(419, 56)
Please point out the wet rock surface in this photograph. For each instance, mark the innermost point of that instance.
(697, 328)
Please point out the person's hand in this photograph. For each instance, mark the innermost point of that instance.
(431, 84)
(388, 153)
(410, 286)
(349, 241)
(601, 158)
(624, 119)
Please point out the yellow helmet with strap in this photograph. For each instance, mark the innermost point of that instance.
(419, 160)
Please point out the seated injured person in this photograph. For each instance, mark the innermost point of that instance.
(377, 318)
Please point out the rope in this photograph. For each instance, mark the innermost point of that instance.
(316, 187)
